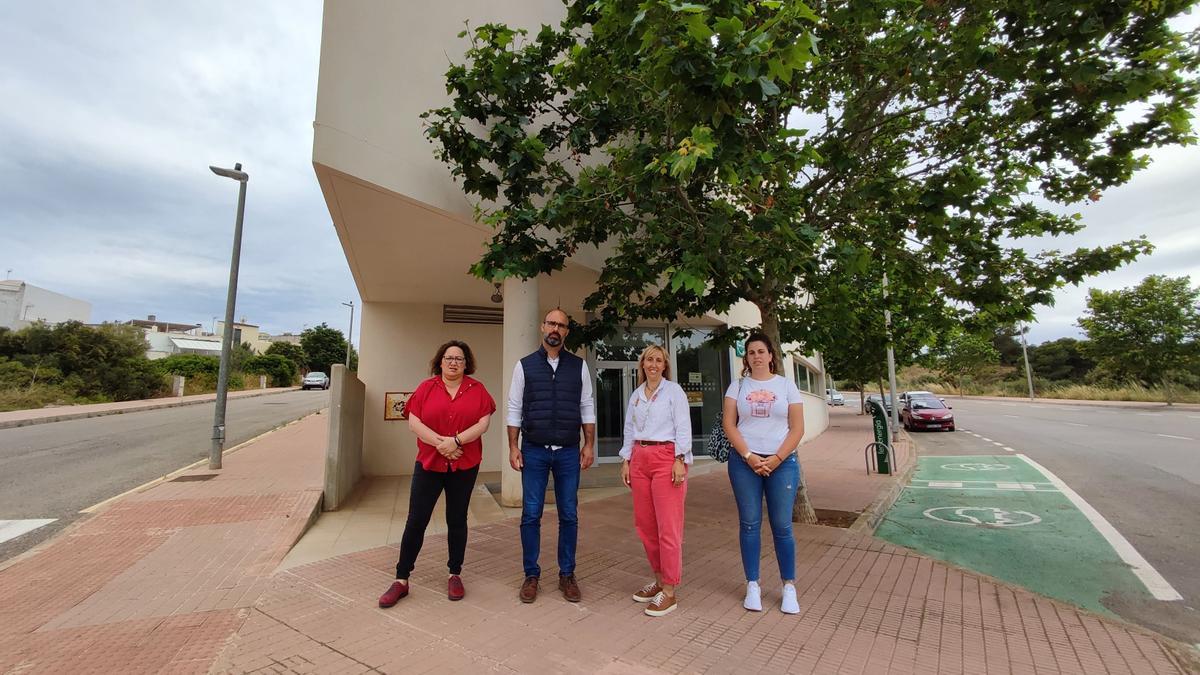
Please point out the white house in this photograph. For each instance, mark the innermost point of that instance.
(22, 304)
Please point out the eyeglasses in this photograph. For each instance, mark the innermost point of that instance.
(454, 359)
(555, 324)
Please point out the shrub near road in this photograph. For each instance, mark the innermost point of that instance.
(74, 363)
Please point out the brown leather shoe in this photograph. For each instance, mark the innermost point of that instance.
(569, 588)
(529, 590)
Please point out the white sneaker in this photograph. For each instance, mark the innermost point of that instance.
(753, 601)
(790, 605)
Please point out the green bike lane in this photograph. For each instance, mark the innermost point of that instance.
(1002, 516)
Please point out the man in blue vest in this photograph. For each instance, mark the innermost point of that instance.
(549, 400)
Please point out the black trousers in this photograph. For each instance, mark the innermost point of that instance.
(427, 486)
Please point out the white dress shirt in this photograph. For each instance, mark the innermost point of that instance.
(666, 417)
(516, 395)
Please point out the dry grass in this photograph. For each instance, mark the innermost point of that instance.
(1078, 392)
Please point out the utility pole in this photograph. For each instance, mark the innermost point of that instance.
(894, 414)
(1025, 353)
(350, 333)
(218, 437)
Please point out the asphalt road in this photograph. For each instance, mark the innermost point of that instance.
(1139, 467)
(52, 471)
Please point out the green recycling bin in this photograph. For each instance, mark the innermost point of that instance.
(879, 423)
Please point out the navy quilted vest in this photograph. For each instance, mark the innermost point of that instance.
(551, 413)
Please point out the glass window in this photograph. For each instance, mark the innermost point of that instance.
(703, 372)
(628, 344)
(806, 380)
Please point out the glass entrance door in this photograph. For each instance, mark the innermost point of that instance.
(615, 382)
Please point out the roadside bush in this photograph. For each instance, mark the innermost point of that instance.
(35, 396)
(281, 369)
(188, 365)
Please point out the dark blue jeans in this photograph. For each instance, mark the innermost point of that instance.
(540, 462)
(779, 488)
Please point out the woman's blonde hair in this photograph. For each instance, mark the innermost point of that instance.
(642, 359)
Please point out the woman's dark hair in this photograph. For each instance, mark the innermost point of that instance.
(435, 366)
(760, 337)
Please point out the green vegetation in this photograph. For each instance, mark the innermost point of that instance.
(1142, 344)
(71, 363)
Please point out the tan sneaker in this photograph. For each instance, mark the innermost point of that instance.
(662, 604)
(647, 593)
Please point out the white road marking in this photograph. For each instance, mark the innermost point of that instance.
(1014, 416)
(1016, 486)
(1182, 438)
(945, 484)
(1159, 587)
(1009, 449)
(969, 483)
(1075, 424)
(997, 443)
(986, 489)
(1149, 414)
(11, 529)
(986, 439)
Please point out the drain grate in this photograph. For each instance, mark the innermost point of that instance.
(191, 478)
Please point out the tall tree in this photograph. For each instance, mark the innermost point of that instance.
(1064, 359)
(734, 150)
(964, 355)
(1148, 331)
(325, 346)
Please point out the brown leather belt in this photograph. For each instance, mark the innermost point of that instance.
(654, 442)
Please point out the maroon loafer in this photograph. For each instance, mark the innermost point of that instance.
(397, 590)
(454, 588)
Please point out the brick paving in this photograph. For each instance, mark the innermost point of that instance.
(866, 606)
(160, 580)
(179, 579)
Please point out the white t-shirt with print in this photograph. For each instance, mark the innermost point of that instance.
(763, 411)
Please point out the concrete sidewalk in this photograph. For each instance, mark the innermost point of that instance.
(21, 418)
(184, 578)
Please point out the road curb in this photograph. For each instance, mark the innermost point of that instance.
(869, 519)
(28, 422)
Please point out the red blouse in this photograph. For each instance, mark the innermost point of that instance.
(446, 417)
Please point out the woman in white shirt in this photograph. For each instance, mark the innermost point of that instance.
(764, 419)
(657, 452)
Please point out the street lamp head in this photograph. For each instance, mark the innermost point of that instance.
(349, 304)
(235, 173)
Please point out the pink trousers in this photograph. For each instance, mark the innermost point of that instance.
(658, 508)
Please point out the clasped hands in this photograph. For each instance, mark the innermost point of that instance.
(762, 465)
(447, 448)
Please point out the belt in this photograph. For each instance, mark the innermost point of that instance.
(654, 442)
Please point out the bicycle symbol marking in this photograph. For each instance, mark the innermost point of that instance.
(982, 516)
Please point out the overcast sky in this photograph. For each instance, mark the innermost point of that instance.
(113, 111)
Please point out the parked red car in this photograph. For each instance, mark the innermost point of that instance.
(926, 412)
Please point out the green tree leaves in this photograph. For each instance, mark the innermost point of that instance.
(1149, 331)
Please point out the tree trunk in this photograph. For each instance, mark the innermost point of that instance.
(802, 510)
(862, 399)
(1167, 387)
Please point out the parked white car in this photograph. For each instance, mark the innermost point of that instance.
(315, 381)
(834, 397)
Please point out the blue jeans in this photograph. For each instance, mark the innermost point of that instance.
(780, 491)
(540, 462)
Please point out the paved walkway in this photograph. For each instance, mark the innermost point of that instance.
(179, 579)
(20, 418)
(161, 579)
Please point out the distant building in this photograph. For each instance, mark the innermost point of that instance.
(246, 333)
(22, 304)
(291, 338)
(165, 338)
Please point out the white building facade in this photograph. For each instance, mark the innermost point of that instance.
(409, 238)
(22, 304)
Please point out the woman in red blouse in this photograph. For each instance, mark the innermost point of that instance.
(448, 413)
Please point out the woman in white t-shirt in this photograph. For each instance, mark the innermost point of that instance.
(764, 419)
(657, 451)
